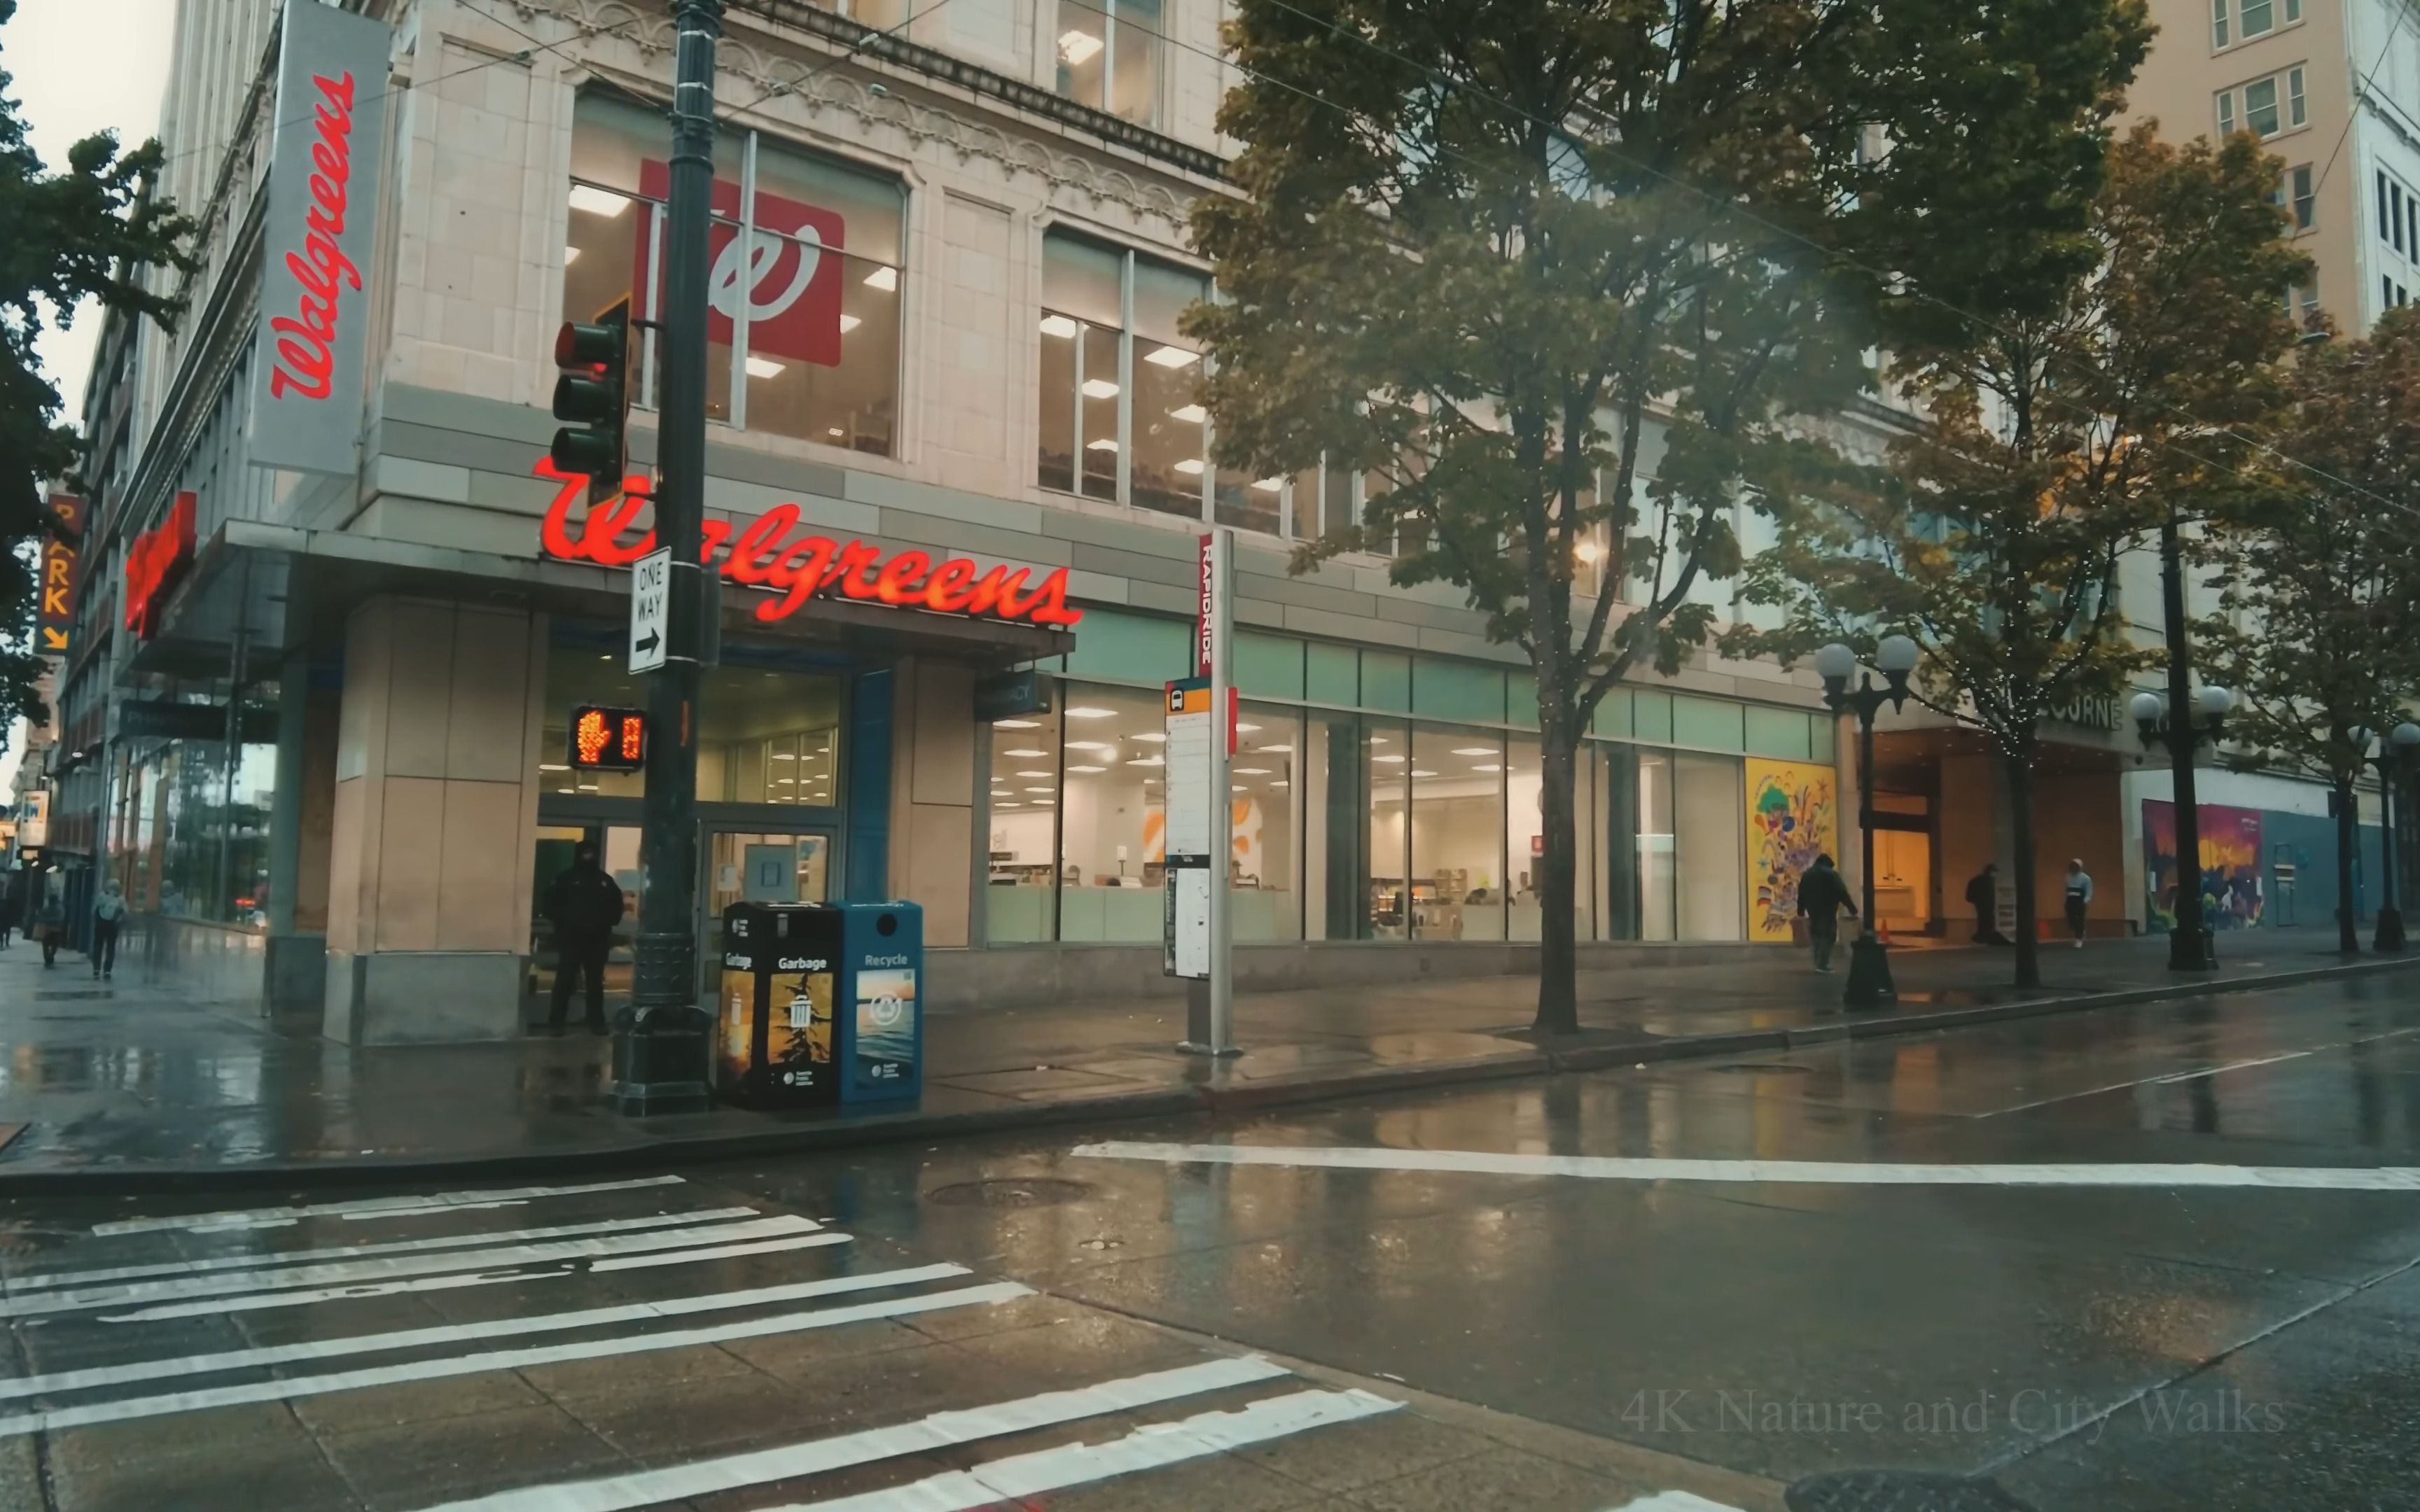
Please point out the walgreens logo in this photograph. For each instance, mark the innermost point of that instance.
(769, 553)
(321, 270)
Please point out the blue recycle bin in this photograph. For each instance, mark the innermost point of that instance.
(878, 1001)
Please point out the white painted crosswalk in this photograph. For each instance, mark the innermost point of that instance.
(677, 1281)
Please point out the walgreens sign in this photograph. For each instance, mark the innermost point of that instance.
(323, 188)
(790, 288)
(775, 552)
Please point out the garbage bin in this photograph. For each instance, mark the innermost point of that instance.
(775, 1032)
(881, 958)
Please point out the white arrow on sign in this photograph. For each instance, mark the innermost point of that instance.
(651, 583)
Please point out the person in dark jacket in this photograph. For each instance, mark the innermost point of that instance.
(1823, 895)
(12, 906)
(585, 903)
(1983, 896)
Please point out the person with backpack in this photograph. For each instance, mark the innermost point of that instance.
(585, 903)
(108, 915)
(1823, 895)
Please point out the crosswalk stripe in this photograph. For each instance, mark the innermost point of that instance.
(41, 1280)
(262, 1356)
(648, 1487)
(257, 1301)
(393, 1267)
(1675, 1502)
(1151, 1447)
(470, 1365)
(1818, 1172)
(373, 1208)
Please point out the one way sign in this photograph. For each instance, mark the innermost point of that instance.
(651, 582)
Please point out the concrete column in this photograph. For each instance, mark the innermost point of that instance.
(933, 795)
(297, 965)
(435, 814)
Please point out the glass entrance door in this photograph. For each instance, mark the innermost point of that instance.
(744, 866)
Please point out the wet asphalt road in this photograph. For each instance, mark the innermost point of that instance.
(1413, 1338)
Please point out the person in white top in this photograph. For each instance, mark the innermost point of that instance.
(2079, 897)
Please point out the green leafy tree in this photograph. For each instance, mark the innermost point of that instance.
(2053, 437)
(2320, 623)
(88, 231)
(1561, 274)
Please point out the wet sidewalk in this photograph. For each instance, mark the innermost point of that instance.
(117, 1086)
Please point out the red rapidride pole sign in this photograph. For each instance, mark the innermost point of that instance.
(769, 553)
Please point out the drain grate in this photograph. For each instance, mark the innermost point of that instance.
(1039, 1191)
(1763, 1067)
(1898, 1490)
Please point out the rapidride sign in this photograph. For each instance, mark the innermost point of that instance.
(328, 134)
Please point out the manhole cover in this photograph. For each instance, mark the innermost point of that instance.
(1041, 1192)
(1759, 1068)
(1898, 1490)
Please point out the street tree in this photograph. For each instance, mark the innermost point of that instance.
(2320, 606)
(88, 230)
(1558, 276)
(2049, 435)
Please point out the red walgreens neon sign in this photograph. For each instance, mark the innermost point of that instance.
(765, 554)
(305, 339)
(154, 561)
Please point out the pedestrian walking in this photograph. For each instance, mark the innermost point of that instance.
(1823, 894)
(1983, 896)
(50, 924)
(12, 904)
(584, 904)
(108, 913)
(2079, 897)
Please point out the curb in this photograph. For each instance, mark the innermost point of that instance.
(899, 1128)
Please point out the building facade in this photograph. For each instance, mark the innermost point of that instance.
(321, 718)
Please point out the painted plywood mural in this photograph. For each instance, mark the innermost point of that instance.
(2231, 894)
(1793, 817)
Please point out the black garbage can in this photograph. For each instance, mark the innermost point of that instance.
(776, 1037)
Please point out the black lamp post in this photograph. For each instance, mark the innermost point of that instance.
(1869, 974)
(2191, 944)
(2392, 759)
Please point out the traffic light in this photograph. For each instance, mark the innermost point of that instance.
(594, 394)
(608, 740)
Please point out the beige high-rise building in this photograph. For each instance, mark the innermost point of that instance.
(2332, 88)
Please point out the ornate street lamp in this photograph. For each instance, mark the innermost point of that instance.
(2393, 759)
(2192, 945)
(1895, 658)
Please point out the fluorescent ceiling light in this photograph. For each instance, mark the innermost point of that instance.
(1079, 47)
(1015, 724)
(1416, 772)
(835, 433)
(1034, 773)
(1103, 445)
(1247, 729)
(1474, 750)
(1153, 737)
(1487, 766)
(1044, 803)
(1059, 326)
(1037, 790)
(1237, 788)
(1100, 388)
(1279, 783)
(1397, 759)
(1192, 414)
(1088, 770)
(885, 279)
(784, 756)
(1172, 356)
(1269, 485)
(764, 367)
(1377, 740)
(1190, 467)
(1281, 749)
(1252, 771)
(1025, 750)
(1089, 745)
(1004, 805)
(589, 201)
(570, 256)
(1085, 711)
(1145, 761)
(850, 323)
(553, 767)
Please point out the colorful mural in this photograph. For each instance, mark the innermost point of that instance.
(1793, 817)
(2231, 895)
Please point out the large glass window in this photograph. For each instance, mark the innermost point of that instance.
(1021, 904)
(1266, 902)
(763, 734)
(1658, 902)
(1113, 814)
(197, 834)
(1108, 53)
(810, 349)
(1387, 777)
(1710, 807)
(1119, 415)
(1458, 871)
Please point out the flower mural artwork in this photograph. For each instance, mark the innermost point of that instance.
(1793, 817)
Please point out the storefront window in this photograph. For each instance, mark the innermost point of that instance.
(195, 836)
(1525, 841)
(1109, 56)
(1710, 805)
(1658, 905)
(1267, 906)
(763, 734)
(1458, 871)
(1113, 825)
(824, 251)
(1387, 777)
(1022, 905)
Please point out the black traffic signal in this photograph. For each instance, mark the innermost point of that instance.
(594, 394)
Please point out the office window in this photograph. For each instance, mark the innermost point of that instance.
(879, 14)
(2260, 107)
(1113, 837)
(2218, 22)
(1459, 878)
(2226, 112)
(2382, 204)
(2257, 16)
(2411, 223)
(1119, 416)
(2395, 214)
(2306, 198)
(2297, 113)
(1109, 56)
(2386, 293)
(2293, 10)
(820, 357)
(1021, 903)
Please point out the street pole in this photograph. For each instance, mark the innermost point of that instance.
(2393, 760)
(1869, 973)
(1222, 798)
(660, 1051)
(2191, 947)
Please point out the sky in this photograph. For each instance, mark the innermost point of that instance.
(80, 67)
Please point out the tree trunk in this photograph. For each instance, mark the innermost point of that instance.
(1558, 872)
(2348, 848)
(2019, 765)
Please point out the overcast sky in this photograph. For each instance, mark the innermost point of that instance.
(80, 67)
